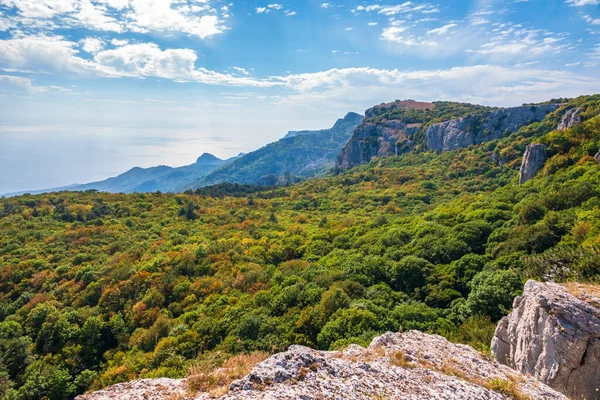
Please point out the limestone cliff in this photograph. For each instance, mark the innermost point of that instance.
(372, 140)
(533, 159)
(393, 128)
(410, 365)
(571, 117)
(476, 129)
(555, 337)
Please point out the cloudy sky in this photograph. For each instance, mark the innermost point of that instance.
(90, 88)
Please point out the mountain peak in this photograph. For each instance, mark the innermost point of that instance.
(207, 158)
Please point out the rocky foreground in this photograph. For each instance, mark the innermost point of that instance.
(554, 336)
(410, 365)
(547, 346)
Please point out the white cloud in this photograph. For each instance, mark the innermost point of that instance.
(593, 21)
(325, 5)
(289, 13)
(580, 3)
(55, 54)
(119, 42)
(41, 8)
(161, 16)
(261, 10)
(195, 19)
(94, 17)
(404, 8)
(442, 30)
(92, 45)
(18, 84)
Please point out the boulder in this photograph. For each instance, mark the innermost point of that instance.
(533, 159)
(571, 117)
(555, 337)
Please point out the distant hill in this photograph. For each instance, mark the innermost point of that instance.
(146, 180)
(299, 154)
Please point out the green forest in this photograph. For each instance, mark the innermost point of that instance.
(97, 289)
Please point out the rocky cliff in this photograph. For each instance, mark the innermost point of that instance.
(554, 336)
(410, 365)
(393, 128)
(533, 159)
(372, 140)
(571, 117)
(476, 129)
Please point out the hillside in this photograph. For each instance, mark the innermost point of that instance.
(299, 154)
(146, 180)
(102, 288)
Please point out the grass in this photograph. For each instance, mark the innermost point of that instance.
(399, 359)
(579, 290)
(214, 375)
(506, 387)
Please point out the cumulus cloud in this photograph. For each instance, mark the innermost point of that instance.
(198, 18)
(92, 45)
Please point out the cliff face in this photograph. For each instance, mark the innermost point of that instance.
(555, 337)
(393, 128)
(463, 132)
(371, 140)
(533, 159)
(571, 117)
(410, 365)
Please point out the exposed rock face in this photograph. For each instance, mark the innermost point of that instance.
(476, 129)
(409, 365)
(143, 389)
(597, 157)
(372, 140)
(533, 159)
(555, 337)
(571, 117)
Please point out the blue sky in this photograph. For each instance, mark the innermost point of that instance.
(90, 88)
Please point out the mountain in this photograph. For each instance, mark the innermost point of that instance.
(98, 289)
(395, 128)
(299, 154)
(145, 180)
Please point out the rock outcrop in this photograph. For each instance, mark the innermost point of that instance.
(143, 389)
(371, 140)
(410, 365)
(571, 117)
(533, 159)
(476, 129)
(597, 157)
(555, 337)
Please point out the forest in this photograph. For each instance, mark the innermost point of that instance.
(97, 288)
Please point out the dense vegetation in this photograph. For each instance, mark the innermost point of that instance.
(97, 289)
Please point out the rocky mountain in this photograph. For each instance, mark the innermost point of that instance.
(146, 180)
(299, 154)
(554, 335)
(395, 128)
(411, 365)
(391, 129)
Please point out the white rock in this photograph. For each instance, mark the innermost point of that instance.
(555, 337)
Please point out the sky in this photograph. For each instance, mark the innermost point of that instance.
(91, 88)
